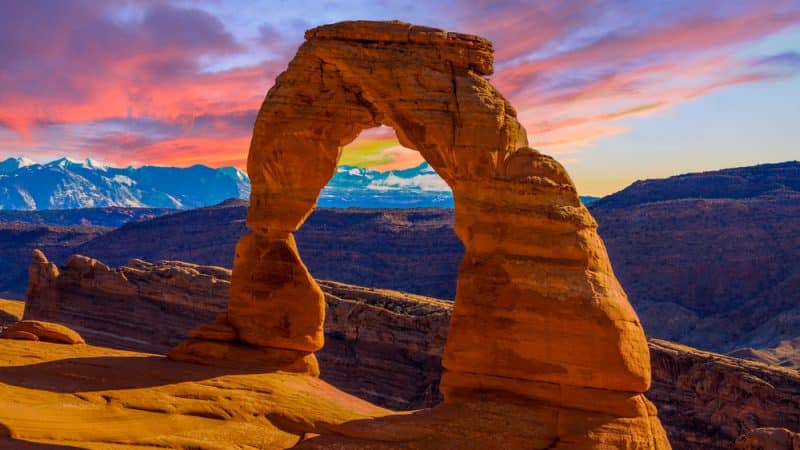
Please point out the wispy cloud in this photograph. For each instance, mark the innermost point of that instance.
(151, 82)
(588, 73)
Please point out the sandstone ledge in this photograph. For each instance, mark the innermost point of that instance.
(36, 330)
(99, 398)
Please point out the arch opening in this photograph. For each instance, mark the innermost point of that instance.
(372, 227)
(376, 171)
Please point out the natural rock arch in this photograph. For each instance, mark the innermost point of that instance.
(538, 310)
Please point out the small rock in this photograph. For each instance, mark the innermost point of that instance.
(20, 335)
(44, 331)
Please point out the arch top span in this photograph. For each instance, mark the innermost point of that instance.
(427, 84)
(538, 310)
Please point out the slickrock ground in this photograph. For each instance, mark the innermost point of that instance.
(98, 398)
(59, 396)
(386, 346)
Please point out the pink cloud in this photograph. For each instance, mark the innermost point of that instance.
(74, 78)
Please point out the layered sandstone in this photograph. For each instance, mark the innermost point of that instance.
(81, 396)
(538, 311)
(137, 306)
(381, 345)
(707, 400)
(37, 330)
(386, 346)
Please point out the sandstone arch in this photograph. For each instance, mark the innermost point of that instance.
(538, 310)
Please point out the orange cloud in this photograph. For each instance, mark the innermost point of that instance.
(77, 79)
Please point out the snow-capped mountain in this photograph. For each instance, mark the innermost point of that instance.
(68, 184)
(12, 164)
(409, 188)
(365, 188)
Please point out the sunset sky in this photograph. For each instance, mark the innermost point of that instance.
(616, 90)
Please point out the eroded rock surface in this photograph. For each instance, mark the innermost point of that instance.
(386, 347)
(137, 306)
(538, 312)
(37, 330)
(706, 400)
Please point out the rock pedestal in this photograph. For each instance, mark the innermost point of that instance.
(538, 311)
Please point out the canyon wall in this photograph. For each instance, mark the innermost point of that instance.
(382, 345)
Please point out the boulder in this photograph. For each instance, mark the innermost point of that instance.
(43, 331)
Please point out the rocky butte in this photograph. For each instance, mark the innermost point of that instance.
(539, 315)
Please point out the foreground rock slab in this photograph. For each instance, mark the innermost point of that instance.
(98, 398)
(36, 330)
(385, 346)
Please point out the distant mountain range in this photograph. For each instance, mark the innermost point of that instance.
(109, 216)
(68, 184)
(71, 184)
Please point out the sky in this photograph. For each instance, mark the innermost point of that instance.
(615, 90)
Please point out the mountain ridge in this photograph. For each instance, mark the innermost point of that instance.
(730, 183)
(67, 183)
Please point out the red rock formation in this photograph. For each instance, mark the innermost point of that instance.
(138, 306)
(36, 330)
(538, 314)
(707, 400)
(386, 347)
(19, 334)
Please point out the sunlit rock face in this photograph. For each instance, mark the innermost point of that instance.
(538, 313)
